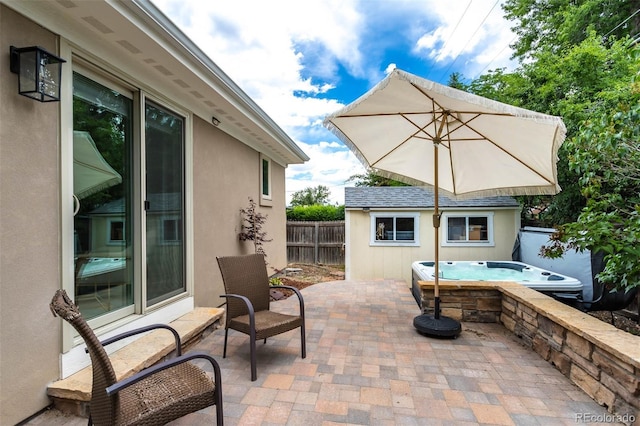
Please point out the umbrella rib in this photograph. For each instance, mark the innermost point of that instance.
(485, 138)
(420, 129)
(439, 110)
(465, 123)
(373, 164)
(482, 136)
(404, 114)
(415, 134)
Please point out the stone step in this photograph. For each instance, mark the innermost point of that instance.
(72, 394)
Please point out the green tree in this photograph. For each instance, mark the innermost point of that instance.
(456, 80)
(371, 179)
(587, 78)
(510, 88)
(555, 25)
(311, 196)
(608, 163)
(577, 61)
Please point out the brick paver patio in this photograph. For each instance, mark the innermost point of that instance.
(367, 365)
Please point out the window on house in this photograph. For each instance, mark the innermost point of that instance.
(389, 228)
(116, 231)
(468, 229)
(265, 178)
(172, 230)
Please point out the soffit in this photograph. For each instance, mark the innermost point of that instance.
(136, 39)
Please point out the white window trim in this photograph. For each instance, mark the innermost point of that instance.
(266, 199)
(444, 226)
(397, 243)
(264, 196)
(163, 239)
(111, 242)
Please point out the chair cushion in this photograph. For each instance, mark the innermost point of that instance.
(268, 323)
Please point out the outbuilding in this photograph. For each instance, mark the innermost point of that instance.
(389, 228)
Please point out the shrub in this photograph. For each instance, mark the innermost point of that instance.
(316, 212)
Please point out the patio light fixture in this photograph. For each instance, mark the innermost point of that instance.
(39, 72)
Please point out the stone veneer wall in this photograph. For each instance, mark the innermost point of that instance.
(600, 359)
(472, 304)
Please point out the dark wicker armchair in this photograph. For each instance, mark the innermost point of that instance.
(153, 396)
(248, 297)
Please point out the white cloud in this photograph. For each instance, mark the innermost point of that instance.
(260, 44)
(474, 29)
(256, 42)
(285, 53)
(390, 68)
(331, 165)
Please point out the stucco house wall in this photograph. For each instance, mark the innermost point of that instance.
(364, 260)
(29, 232)
(219, 194)
(36, 211)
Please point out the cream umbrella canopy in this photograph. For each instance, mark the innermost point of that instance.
(423, 133)
(91, 172)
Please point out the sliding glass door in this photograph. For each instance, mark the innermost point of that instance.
(102, 158)
(107, 159)
(164, 205)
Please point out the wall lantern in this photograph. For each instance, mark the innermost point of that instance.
(39, 73)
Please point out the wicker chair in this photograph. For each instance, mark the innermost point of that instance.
(247, 291)
(153, 396)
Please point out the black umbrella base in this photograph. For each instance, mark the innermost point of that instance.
(431, 326)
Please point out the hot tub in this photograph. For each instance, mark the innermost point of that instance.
(551, 283)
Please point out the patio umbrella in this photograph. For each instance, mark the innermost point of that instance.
(91, 172)
(423, 133)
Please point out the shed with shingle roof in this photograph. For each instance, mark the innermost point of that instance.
(415, 197)
(389, 228)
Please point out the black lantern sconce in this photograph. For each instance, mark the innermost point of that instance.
(39, 73)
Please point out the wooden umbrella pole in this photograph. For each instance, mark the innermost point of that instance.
(436, 227)
(436, 216)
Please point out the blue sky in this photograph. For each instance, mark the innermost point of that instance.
(303, 60)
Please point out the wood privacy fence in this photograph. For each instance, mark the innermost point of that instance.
(315, 242)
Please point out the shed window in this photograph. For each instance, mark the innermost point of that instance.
(401, 229)
(468, 229)
(172, 230)
(116, 232)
